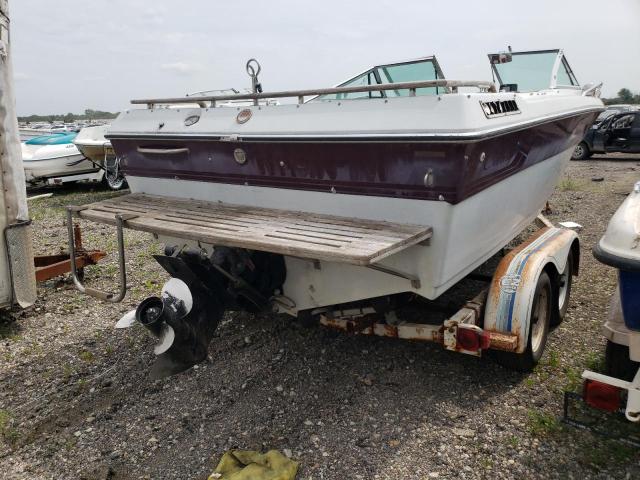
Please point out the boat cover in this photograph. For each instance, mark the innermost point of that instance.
(53, 139)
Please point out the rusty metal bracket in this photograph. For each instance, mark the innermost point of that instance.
(415, 281)
(50, 266)
(106, 296)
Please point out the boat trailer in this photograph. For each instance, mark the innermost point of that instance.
(232, 257)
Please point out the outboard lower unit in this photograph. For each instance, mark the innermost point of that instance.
(184, 318)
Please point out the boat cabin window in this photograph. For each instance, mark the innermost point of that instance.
(532, 71)
(420, 70)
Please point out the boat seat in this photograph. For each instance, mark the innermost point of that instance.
(287, 232)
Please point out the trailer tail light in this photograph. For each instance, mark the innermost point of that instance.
(472, 339)
(601, 396)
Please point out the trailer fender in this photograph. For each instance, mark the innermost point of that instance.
(510, 297)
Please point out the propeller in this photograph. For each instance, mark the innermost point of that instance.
(156, 313)
(185, 315)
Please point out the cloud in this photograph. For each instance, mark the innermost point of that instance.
(17, 76)
(183, 68)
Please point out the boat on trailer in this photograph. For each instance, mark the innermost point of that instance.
(52, 157)
(91, 143)
(397, 181)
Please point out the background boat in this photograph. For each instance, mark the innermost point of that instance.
(54, 155)
(91, 142)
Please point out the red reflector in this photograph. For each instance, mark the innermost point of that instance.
(467, 339)
(601, 396)
(470, 339)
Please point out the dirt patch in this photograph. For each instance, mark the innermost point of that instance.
(76, 401)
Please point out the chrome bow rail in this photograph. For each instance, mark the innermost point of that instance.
(411, 86)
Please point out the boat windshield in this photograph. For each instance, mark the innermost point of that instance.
(413, 71)
(532, 71)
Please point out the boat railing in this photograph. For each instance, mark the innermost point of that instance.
(210, 101)
(592, 90)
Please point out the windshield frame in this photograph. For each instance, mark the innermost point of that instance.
(374, 71)
(560, 62)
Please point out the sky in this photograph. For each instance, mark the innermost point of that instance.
(70, 55)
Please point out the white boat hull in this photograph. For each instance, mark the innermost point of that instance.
(91, 143)
(46, 161)
(464, 235)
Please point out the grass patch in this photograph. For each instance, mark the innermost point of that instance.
(569, 185)
(8, 331)
(574, 379)
(9, 434)
(607, 453)
(596, 362)
(553, 359)
(542, 424)
(86, 356)
(67, 371)
(513, 441)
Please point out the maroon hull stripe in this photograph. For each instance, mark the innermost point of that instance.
(416, 170)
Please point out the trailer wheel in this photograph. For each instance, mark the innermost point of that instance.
(539, 321)
(617, 362)
(565, 280)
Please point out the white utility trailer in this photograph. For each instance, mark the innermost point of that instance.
(618, 248)
(17, 272)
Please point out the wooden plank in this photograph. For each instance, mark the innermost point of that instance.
(300, 234)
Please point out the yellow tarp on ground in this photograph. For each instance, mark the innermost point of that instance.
(249, 465)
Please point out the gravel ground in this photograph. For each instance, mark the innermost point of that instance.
(76, 402)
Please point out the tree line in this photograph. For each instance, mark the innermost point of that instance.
(88, 114)
(624, 96)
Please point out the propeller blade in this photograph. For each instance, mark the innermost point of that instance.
(127, 320)
(167, 336)
(177, 297)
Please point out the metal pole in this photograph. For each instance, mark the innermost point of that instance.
(17, 272)
(106, 296)
(11, 169)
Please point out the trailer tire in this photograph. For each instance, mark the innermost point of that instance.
(565, 280)
(114, 181)
(539, 322)
(617, 362)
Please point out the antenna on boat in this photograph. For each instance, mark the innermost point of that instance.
(253, 69)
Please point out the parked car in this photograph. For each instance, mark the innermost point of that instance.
(619, 132)
(613, 109)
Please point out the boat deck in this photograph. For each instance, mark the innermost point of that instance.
(298, 234)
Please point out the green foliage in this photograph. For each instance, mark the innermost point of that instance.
(568, 184)
(596, 362)
(624, 96)
(86, 356)
(7, 432)
(607, 452)
(541, 424)
(88, 114)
